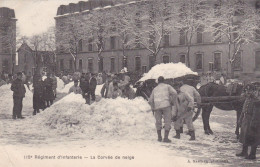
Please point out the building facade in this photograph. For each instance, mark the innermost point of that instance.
(7, 39)
(205, 54)
(29, 60)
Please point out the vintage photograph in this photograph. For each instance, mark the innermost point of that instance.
(145, 83)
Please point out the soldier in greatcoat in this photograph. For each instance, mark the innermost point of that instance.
(250, 123)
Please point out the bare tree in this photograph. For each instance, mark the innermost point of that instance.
(97, 31)
(237, 23)
(69, 36)
(152, 25)
(191, 19)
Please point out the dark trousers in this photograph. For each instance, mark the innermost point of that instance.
(92, 94)
(18, 105)
(49, 103)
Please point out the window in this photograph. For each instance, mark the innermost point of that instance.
(112, 42)
(144, 69)
(166, 40)
(151, 61)
(237, 64)
(182, 37)
(199, 35)
(257, 60)
(217, 61)
(112, 65)
(166, 59)
(90, 65)
(5, 66)
(183, 59)
(257, 34)
(80, 45)
(61, 64)
(137, 63)
(90, 45)
(71, 64)
(62, 49)
(217, 33)
(199, 61)
(80, 64)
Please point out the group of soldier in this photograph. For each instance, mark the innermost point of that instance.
(175, 104)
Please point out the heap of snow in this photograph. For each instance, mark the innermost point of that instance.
(6, 99)
(66, 88)
(106, 118)
(60, 84)
(169, 70)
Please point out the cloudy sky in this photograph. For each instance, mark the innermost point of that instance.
(34, 16)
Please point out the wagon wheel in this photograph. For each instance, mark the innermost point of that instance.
(196, 111)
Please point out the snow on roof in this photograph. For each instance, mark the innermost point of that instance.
(107, 7)
(169, 70)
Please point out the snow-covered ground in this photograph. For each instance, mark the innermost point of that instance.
(119, 127)
(169, 70)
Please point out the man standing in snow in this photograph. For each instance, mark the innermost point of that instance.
(48, 94)
(55, 84)
(184, 105)
(92, 87)
(161, 105)
(193, 93)
(18, 95)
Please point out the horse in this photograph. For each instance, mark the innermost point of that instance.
(215, 90)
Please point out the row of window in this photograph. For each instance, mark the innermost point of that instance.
(216, 64)
(165, 43)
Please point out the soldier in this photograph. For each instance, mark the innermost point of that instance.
(250, 123)
(161, 106)
(184, 105)
(48, 94)
(18, 94)
(38, 92)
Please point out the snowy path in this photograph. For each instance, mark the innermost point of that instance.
(29, 137)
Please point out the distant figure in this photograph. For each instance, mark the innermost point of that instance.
(223, 79)
(104, 90)
(55, 84)
(203, 79)
(18, 94)
(99, 79)
(38, 94)
(116, 91)
(75, 88)
(48, 94)
(2, 82)
(210, 78)
(128, 92)
(92, 87)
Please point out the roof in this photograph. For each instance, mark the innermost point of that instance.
(39, 51)
(82, 6)
(7, 12)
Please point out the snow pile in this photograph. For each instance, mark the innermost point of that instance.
(169, 70)
(66, 88)
(6, 101)
(60, 84)
(106, 118)
(98, 90)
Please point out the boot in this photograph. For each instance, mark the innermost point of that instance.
(244, 152)
(181, 130)
(159, 135)
(166, 134)
(252, 154)
(178, 134)
(192, 135)
(38, 111)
